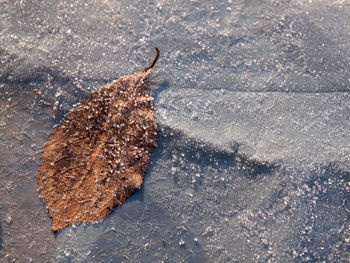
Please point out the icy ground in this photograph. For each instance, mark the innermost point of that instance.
(253, 104)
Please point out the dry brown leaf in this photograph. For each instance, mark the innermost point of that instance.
(98, 154)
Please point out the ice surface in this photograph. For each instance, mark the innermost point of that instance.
(252, 99)
(294, 128)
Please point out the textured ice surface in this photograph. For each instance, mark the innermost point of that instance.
(252, 99)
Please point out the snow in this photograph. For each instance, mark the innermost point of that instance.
(252, 101)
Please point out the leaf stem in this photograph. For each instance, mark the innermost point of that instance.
(153, 62)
